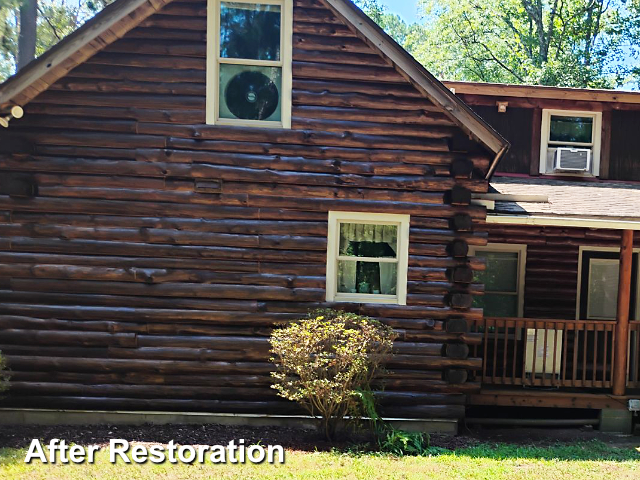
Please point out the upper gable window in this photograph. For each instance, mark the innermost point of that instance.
(570, 142)
(249, 63)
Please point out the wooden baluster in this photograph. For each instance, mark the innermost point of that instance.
(576, 345)
(555, 355)
(595, 354)
(495, 352)
(515, 351)
(532, 380)
(605, 348)
(585, 351)
(486, 348)
(545, 352)
(504, 354)
(565, 346)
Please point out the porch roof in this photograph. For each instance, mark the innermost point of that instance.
(614, 203)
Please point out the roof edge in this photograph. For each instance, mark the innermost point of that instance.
(59, 59)
(454, 107)
(613, 223)
(543, 92)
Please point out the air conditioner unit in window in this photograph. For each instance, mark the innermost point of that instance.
(572, 159)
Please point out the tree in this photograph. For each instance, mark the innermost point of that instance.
(28, 28)
(34, 26)
(578, 43)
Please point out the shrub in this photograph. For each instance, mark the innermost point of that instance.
(326, 360)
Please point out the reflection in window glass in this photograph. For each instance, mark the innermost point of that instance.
(500, 279)
(603, 289)
(501, 274)
(365, 240)
(571, 129)
(250, 31)
(378, 278)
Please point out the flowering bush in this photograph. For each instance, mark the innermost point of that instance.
(326, 360)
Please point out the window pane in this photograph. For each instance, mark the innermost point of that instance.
(367, 277)
(250, 31)
(364, 240)
(603, 289)
(571, 129)
(496, 305)
(250, 93)
(501, 274)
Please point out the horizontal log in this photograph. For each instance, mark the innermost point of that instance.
(137, 404)
(323, 29)
(400, 117)
(417, 398)
(189, 290)
(144, 379)
(158, 47)
(141, 391)
(328, 98)
(425, 411)
(152, 33)
(433, 363)
(372, 128)
(17, 362)
(329, 71)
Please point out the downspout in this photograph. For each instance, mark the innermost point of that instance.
(496, 160)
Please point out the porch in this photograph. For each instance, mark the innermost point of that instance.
(564, 363)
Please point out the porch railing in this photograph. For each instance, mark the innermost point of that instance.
(634, 355)
(548, 353)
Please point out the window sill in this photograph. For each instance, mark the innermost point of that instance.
(365, 298)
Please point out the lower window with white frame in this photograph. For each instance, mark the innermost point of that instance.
(503, 279)
(367, 257)
(598, 279)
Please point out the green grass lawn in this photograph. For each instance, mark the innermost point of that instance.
(589, 460)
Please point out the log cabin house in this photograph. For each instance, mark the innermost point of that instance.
(561, 304)
(188, 174)
(183, 175)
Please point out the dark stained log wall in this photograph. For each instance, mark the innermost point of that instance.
(551, 278)
(147, 256)
(516, 125)
(625, 145)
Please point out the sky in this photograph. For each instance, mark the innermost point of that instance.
(407, 9)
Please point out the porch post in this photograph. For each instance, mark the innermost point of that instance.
(622, 317)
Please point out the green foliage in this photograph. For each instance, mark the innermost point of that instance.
(391, 440)
(560, 42)
(56, 20)
(401, 443)
(326, 359)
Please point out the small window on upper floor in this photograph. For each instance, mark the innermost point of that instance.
(249, 63)
(570, 143)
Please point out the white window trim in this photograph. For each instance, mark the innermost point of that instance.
(335, 218)
(583, 249)
(521, 250)
(213, 65)
(595, 144)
